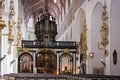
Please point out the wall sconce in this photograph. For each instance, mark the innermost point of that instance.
(91, 55)
(12, 62)
(104, 64)
(2, 58)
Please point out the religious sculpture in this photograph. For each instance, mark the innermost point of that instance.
(83, 45)
(19, 39)
(11, 37)
(19, 34)
(83, 39)
(26, 65)
(104, 28)
(104, 32)
(65, 69)
(104, 13)
(2, 7)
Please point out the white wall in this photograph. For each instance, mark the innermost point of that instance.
(4, 41)
(21, 15)
(114, 35)
(95, 36)
(30, 29)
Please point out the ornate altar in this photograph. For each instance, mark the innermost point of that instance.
(25, 63)
(46, 62)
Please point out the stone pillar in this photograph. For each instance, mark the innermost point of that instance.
(58, 61)
(34, 62)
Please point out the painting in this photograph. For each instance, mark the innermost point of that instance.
(98, 70)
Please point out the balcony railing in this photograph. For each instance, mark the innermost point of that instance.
(22, 76)
(91, 77)
(54, 45)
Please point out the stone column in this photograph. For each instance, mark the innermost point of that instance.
(34, 62)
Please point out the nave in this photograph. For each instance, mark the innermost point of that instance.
(60, 37)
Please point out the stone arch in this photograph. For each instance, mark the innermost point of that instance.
(79, 21)
(66, 63)
(81, 17)
(96, 23)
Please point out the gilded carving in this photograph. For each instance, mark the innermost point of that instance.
(104, 13)
(11, 24)
(83, 47)
(83, 39)
(104, 28)
(19, 34)
(66, 51)
(104, 34)
(2, 7)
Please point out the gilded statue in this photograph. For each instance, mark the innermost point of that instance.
(2, 7)
(19, 38)
(104, 32)
(19, 33)
(83, 39)
(104, 13)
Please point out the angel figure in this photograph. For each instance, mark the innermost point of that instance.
(2, 7)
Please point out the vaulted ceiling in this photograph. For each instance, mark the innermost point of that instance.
(33, 7)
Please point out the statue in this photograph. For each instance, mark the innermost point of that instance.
(2, 7)
(19, 34)
(104, 32)
(65, 69)
(19, 39)
(104, 13)
(83, 40)
(26, 65)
